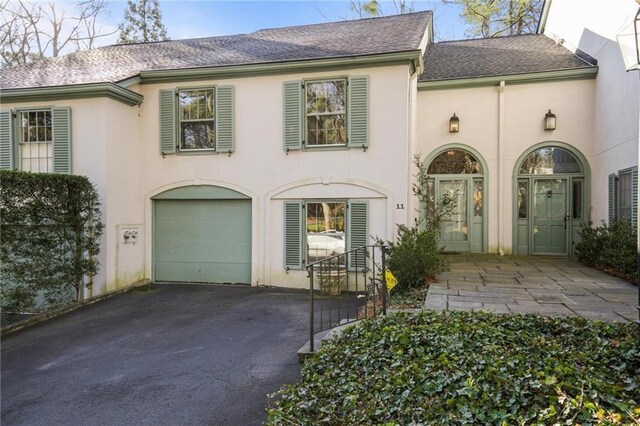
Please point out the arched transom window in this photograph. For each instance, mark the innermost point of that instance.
(550, 161)
(455, 162)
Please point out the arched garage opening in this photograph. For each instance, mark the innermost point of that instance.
(202, 234)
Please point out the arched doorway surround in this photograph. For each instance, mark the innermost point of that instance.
(551, 182)
(461, 172)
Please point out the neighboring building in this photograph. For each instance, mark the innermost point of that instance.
(242, 158)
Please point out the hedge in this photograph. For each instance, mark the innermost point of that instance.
(50, 228)
(469, 368)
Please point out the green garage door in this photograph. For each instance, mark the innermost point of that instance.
(202, 240)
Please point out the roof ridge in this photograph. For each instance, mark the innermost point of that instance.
(490, 38)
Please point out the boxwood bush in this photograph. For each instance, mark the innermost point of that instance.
(469, 368)
(610, 248)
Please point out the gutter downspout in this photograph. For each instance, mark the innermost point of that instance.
(501, 193)
(542, 23)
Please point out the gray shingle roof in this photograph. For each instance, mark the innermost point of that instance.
(496, 57)
(320, 41)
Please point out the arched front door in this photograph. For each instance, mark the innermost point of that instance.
(459, 172)
(551, 199)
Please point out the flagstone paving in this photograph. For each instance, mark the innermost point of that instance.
(526, 284)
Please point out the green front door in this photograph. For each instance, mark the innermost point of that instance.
(463, 229)
(202, 241)
(550, 216)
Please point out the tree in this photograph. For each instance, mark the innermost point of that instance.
(373, 8)
(32, 30)
(495, 18)
(142, 23)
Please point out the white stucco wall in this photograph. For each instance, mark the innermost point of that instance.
(518, 127)
(591, 26)
(260, 168)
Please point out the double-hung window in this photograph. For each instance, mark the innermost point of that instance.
(36, 139)
(326, 113)
(623, 195)
(197, 120)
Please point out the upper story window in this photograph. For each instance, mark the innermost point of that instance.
(326, 112)
(197, 119)
(36, 141)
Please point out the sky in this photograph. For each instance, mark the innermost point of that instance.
(204, 18)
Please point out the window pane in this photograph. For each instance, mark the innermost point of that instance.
(325, 107)
(326, 96)
(453, 162)
(523, 198)
(477, 198)
(198, 135)
(577, 199)
(196, 104)
(624, 209)
(548, 161)
(326, 130)
(325, 230)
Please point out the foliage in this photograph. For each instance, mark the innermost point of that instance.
(611, 248)
(373, 8)
(34, 30)
(142, 23)
(415, 256)
(407, 297)
(495, 18)
(51, 228)
(446, 368)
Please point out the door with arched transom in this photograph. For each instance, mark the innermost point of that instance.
(459, 173)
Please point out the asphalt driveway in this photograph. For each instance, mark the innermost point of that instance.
(175, 355)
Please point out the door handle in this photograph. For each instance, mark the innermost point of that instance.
(566, 219)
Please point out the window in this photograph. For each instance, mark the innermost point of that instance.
(317, 229)
(453, 162)
(550, 160)
(623, 195)
(197, 120)
(36, 139)
(326, 106)
(326, 113)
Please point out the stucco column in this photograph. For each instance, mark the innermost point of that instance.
(501, 178)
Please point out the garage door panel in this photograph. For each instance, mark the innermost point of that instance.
(202, 240)
(204, 272)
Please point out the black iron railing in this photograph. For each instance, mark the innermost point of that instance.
(346, 287)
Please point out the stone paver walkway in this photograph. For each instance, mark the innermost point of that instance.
(545, 285)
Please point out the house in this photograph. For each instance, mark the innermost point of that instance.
(243, 158)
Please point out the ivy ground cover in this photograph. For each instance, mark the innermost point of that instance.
(469, 368)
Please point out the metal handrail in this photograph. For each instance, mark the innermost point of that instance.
(334, 305)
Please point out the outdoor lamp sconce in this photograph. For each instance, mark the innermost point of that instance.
(454, 124)
(549, 121)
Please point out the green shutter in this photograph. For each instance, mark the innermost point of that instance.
(167, 121)
(634, 196)
(358, 106)
(612, 198)
(357, 231)
(61, 124)
(292, 115)
(6, 139)
(293, 241)
(224, 119)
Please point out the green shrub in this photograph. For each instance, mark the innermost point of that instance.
(51, 227)
(416, 256)
(612, 248)
(456, 368)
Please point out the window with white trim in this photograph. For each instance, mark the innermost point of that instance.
(36, 141)
(326, 106)
(196, 114)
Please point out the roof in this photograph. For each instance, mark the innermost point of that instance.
(498, 56)
(399, 33)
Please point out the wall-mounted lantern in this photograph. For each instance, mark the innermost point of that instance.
(549, 121)
(454, 124)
